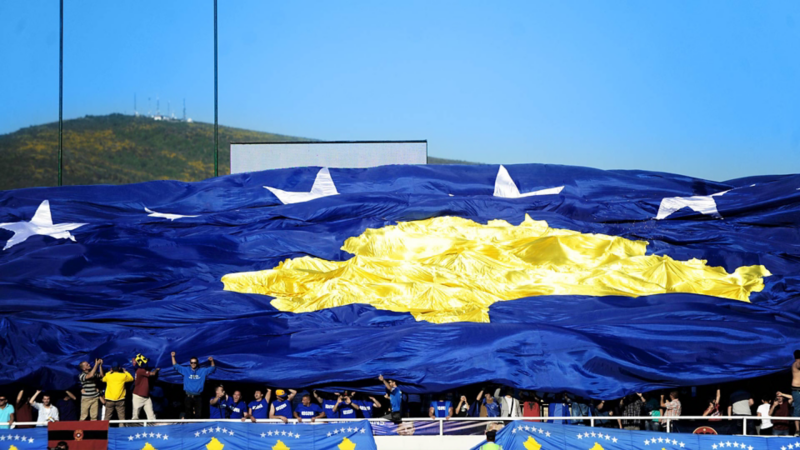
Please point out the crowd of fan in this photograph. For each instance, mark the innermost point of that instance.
(98, 402)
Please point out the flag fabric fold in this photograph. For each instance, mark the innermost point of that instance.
(121, 279)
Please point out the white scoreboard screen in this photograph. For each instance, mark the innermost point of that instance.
(251, 157)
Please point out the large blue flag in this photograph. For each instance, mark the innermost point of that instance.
(549, 277)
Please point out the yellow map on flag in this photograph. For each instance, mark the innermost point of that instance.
(347, 444)
(531, 444)
(450, 269)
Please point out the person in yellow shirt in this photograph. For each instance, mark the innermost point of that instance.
(115, 391)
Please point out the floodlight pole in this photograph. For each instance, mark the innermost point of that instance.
(216, 101)
(60, 91)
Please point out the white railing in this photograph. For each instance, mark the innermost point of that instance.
(591, 419)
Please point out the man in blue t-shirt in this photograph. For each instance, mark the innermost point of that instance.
(344, 407)
(259, 408)
(218, 406)
(237, 408)
(395, 400)
(308, 411)
(327, 405)
(194, 378)
(281, 408)
(492, 407)
(366, 406)
(441, 409)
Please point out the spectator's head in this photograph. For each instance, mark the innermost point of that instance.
(117, 367)
(491, 435)
(392, 383)
(778, 398)
(712, 401)
(258, 395)
(766, 399)
(237, 395)
(306, 400)
(46, 400)
(280, 394)
(797, 354)
(220, 390)
(488, 397)
(85, 366)
(62, 446)
(673, 395)
(194, 362)
(3, 401)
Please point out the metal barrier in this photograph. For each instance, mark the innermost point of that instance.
(591, 419)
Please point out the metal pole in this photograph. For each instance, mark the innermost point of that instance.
(744, 426)
(60, 91)
(216, 101)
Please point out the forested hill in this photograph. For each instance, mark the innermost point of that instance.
(118, 149)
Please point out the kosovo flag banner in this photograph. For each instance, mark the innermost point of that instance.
(715, 442)
(27, 439)
(597, 282)
(355, 435)
(571, 437)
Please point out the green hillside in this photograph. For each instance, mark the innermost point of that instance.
(118, 149)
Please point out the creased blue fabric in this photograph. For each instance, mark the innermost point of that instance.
(131, 283)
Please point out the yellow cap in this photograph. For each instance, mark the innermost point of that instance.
(280, 392)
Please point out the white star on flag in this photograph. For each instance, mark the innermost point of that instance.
(342, 430)
(166, 437)
(329, 434)
(513, 431)
(218, 429)
(335, 431)
(614, 440)
(323, 187)
(171, 217)
(714, 446)
(263, 435)
(158, 435)
(704, 204)
(646, 442)
(41, 224)
(350, 429)
(204, 431)
(231, 432)
(130, 438)
(580, 436)
(363, 430)
(674, 442)
(269, 432)
(504, 187)
(296, 436)
(683, 445)
(30, 440)
(608, 437)
(138, 435)
(224, 430)
(546, 434)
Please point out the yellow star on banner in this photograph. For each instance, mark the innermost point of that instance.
(347, 444)
(597, 447)
(531, 444)
(215, 444)
(280, 446)
(147, 446)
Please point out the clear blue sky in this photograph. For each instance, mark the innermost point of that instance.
(709, 89)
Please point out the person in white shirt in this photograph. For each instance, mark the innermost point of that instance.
(509, 406)
(47, 412)
(763, 411)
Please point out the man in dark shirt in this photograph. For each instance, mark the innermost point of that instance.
(780, 408)
(23, 410)
(141, 389)
(67, 411)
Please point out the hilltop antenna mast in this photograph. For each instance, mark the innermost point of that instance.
(169, 105)
(135, 112)
(149, 109)
(184, 110)
(158, 106)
